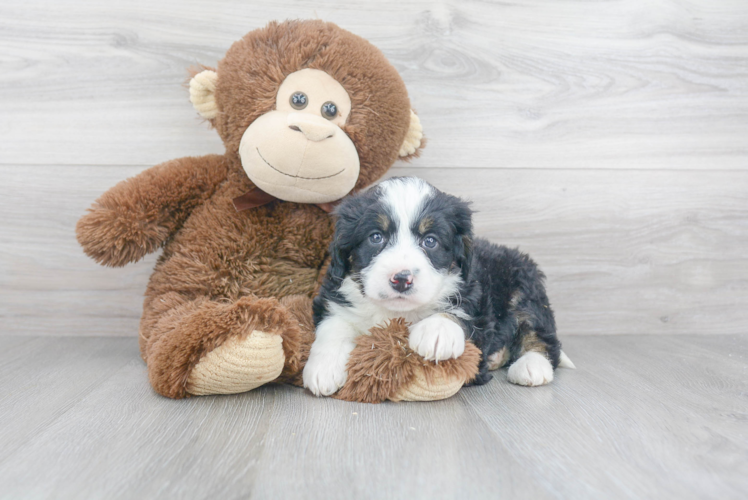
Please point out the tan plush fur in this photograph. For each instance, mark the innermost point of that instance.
(223, 273)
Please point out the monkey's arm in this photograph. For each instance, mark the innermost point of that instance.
(138, 215)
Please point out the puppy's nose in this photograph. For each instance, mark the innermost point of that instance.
(402, 281)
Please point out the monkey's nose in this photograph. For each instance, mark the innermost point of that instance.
(314, 128)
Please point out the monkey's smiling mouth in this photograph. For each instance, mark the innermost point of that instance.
(297, 176)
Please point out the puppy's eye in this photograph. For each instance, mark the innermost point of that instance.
(430, 242)
(376, 238)
(329, 110)
(298, 100)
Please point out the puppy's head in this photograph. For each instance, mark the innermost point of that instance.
(404, 243)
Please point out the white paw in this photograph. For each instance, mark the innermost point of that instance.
(325, 371)
(531, 369)
(437, 338)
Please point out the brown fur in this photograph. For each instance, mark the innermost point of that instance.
(380, 106)
(425, 225)
(531, 343)
(185, 333)
(300, 307)
(384, 222)
(382, 363)
(138, 215)
(225, 273)
(498, 359)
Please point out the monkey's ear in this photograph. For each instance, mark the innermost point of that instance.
(202, 93)
(413, 139)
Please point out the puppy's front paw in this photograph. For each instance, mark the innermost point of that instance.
(437, 338)
(325, 372)
(531, 369)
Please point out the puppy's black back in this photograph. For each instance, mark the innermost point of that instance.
(506, 297)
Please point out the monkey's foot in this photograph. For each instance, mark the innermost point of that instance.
(238, 365)
(419, 388)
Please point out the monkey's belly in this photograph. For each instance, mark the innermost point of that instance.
(218, 275)
(270, 251)
(265, 278)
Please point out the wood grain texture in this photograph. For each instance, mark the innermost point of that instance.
(624, 251)
(545, 83)
(641, 417)
(605, 138)
(42, 378)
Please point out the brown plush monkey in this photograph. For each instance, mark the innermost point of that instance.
(308, 112)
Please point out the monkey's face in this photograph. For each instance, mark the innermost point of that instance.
(312, 111)
(299, 152)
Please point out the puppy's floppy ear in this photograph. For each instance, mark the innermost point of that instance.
(463, 239)
(339, 263)
(347, 215)
(465, 257)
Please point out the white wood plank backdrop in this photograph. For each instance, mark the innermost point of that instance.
(607, 138)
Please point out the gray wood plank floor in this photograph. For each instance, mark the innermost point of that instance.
(641, 417)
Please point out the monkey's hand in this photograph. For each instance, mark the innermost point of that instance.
(117, 236)
(136, 217)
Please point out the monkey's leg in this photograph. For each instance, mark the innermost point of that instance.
(382, 367)
(202, 347)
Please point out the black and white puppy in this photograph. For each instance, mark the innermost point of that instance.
(405, 249)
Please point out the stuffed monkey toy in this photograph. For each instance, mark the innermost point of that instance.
(308, 112)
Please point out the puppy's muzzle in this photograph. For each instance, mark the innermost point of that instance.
(402, 281)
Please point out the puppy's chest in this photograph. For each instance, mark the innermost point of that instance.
(364, 316)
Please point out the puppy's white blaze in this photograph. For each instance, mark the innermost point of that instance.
(405, 199)
(531, 369)
(325, 371)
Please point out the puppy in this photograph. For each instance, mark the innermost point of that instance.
(405, 249)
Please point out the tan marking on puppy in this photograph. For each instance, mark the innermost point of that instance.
(498, 359)
(425, 224)
(384, 222)
(523, 318)
(468, 242)
(516, 297)
(531, 343)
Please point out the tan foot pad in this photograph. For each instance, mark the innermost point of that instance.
(239, 365)
(420, 389)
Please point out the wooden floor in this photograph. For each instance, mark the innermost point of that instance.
(641, 417)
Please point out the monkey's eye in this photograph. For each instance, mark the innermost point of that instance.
(430, 242)
(376, 238)
(329, 110)
(298, 100)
